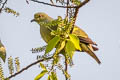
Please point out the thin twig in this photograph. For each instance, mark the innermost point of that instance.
(66, 68)
(30, 65)
(3, 5)
(76, 12)
(27, 1)
(67, 8)
(58, 5)
(77, 9)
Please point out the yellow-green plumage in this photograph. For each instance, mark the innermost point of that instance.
(85, 42)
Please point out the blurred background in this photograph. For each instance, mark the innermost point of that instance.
(99, 18)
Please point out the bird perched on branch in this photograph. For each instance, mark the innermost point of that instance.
(2, 52)
(86, 43)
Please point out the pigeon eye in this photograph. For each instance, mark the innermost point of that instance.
(41, 16)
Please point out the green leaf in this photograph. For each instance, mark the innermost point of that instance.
(62, 45)
(53, 76)
(59, 48)
(2, 52)
(52, 43)
(76, 2)
(7, 79)
(70, 48)
(41, 75)
(49, 77)
(43, 66)
(75, 41)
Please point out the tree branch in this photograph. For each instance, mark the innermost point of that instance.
(76, 12)
(77, 9)
(83, 3)
(67, 8)
(30, 65)
(66, 68)
(3, 5)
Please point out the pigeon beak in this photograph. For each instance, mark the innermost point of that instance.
(33, 20)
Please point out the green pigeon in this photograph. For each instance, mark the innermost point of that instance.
(2, 52)
(86, 43)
